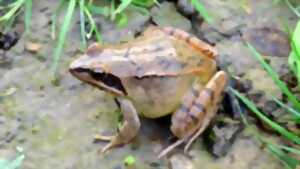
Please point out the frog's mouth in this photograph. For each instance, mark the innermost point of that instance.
(102, 80)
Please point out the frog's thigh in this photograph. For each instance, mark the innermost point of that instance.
(129, 128)
(198, 107)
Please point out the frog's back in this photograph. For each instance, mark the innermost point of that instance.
(153, 53)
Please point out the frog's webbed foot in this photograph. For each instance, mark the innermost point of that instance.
(196, 135)
(180, 141)
(112, 142)
(127, 131)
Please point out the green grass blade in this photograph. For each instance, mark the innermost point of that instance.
(124, 4)
(91, 21)
(291, 97)
(294, 64)
(287, 160)
(275, 149)
(289, 149)
(99, 10)
(112, 9)
(288, 3)
(289, 135)
(94, 28)
(296, 41)
(28, 15)
(98, 35)
(54, 18)
(289, 109)
(82, 23)
(122, 20)
(9, 24)
(294, 57)
(143, 3)
(142, 10)
(17, 5)
(62, 35)
(201, 9)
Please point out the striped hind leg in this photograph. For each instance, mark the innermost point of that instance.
(198, 108)
(216, 85)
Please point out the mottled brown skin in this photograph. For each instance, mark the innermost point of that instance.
(164, 71)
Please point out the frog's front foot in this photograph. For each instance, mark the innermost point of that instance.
(113, 142)
(127, 131)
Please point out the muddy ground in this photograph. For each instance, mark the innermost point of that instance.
(55, 124)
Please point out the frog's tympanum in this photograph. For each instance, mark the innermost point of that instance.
(163, 71)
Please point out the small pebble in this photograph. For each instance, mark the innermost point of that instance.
(33, 47)
(270, 106)
(185, 7)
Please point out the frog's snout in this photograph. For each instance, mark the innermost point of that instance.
(81, 62)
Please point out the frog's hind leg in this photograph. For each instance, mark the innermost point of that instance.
(209, 99)
(192, 40)
(198, 108)
(170, 148)
(127, 131)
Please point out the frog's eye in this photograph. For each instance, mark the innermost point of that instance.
(94, 50)
(102, 80)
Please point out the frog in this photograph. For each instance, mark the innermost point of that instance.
(164, 71)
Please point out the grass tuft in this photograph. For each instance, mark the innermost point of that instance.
(279, 151)
(15, 6)
(284, 132)
(285, 90)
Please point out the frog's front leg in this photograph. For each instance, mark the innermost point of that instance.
(129, 128)
(198, 107)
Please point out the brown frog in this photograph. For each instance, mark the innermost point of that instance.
(164, 71)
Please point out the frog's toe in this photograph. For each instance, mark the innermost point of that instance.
(105, 149)
(99, 137)
(170, 148)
